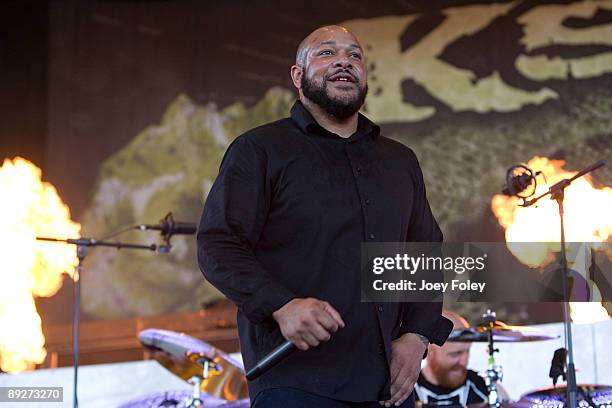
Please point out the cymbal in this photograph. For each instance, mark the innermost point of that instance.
(502, 333)
(599, 395)
(185, 356)
(504, 404)
(179, 398)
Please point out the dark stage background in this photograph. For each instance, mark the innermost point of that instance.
(128, 106)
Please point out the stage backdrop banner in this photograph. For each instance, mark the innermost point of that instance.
(145, 98)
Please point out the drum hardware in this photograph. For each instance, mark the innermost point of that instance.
(180, 398)
(494, 372)
(502, 333)
(182, 354)
(186, 357)
(558, 366)
(217, 380)
(589, 396)
(209, 368)
(556, 192)
(492, 331)
(195, 401)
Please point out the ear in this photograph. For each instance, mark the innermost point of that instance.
(431, 350)
(296, 76)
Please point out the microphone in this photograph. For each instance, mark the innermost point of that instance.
(169, 227)
(517, 183)
(270, 360)
(557, 365)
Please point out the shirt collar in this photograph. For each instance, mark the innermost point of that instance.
(304, 120)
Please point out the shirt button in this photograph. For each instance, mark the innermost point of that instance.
(358, 169)
(380, 308)
(367, 201)
(371, 236)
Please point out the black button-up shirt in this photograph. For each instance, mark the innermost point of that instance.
(285, 218)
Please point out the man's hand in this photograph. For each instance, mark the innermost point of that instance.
(406, 355)
(307, 322)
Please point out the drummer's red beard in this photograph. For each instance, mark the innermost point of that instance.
(450, 378)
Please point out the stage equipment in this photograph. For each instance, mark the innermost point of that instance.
(557, 365)
(492, 331)
(588, 396)
(502, 333)
(169, 227)
(205, 367)
(520, 178)
(504, 404)
(494, 371)
(180, 399)
(557, 193)
(82, 245)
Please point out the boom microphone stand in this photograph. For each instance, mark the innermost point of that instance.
(557, 193)
(168, 228)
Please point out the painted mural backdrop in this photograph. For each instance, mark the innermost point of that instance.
(472, 89)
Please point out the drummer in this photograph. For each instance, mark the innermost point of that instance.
(445, 380)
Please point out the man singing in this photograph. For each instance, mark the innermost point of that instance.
(281, 231)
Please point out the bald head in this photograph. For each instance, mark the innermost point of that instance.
(330, 75)
(315, 38)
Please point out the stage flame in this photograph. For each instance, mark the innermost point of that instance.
(29, 208)
(588, 220)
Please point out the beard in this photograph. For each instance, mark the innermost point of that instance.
(341, 107)
(451, 377)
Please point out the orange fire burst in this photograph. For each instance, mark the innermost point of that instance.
(30, 268)
(588, 219)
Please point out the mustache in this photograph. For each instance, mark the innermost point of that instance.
(346, 71)
(458, 367)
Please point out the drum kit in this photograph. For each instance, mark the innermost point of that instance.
(218, 380)
(494, 331)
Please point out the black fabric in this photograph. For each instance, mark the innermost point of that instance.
(296, 398)
(472, 391)
(285, 218)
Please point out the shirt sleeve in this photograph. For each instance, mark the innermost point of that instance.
(232, 222)
(424, 318)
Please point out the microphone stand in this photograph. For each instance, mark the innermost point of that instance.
(557, 193)
(82, 245)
